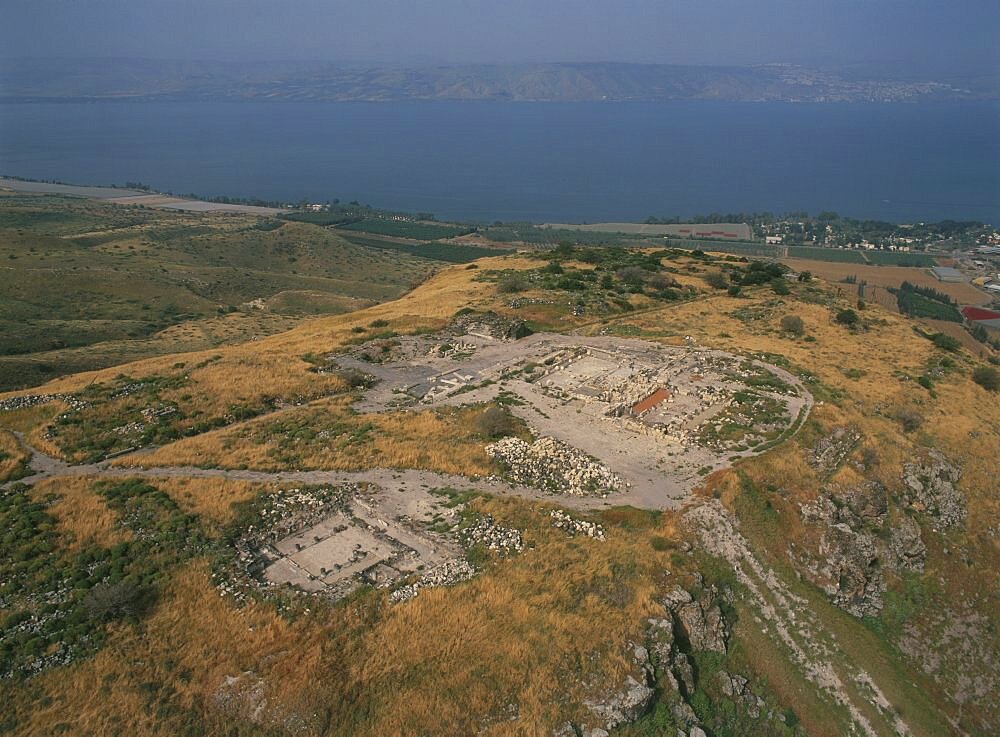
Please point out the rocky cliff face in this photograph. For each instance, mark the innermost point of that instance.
(858, 544)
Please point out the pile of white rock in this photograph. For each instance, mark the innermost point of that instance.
(550, 464)
(31, 400)
(574, 527)
(490, 535)
(443, 574)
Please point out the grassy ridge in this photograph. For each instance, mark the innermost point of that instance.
(447, 252)
(544, 630)
(77, 274)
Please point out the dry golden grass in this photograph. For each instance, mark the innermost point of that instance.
(30, 418)
(191, 632)
(225, 328)
(544, 630)
(247, 377)
(273, 367)
(959, 333)
(886, 276)
(888, 347)
(430, 305)
(436, 440)
(541, 628)
(82, 517)
(12, 455)
(210, 498)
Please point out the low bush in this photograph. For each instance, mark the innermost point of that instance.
(511, 284)
(987, 377)
(946, 342)
(716, 279)
(494, 422)
(908, 418)
(793, 325)
(847, 317)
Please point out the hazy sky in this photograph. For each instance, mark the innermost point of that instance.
(937, 35)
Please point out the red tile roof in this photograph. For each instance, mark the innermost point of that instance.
(978, 313)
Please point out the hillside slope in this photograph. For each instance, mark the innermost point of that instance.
(85, 284)
(837, 583)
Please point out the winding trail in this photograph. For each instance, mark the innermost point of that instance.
(660, 471)
(47, 467)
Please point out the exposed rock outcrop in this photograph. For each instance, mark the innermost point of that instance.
(491, 325)
(692, 624)
(852, 564)
(701, 621)
(906, 545)
(929, 488)
(853, 553)
(737, 688)
(630, 701)
(827, 455)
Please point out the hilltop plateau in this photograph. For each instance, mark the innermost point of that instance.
(581, 490)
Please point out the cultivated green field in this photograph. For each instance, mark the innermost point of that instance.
(837, 255)
(406, 229)
(894, 258)
(85, 284)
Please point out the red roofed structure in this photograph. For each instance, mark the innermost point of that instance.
(978, 313)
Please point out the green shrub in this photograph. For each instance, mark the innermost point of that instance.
(987, 377)
(716, 279)
(946, 342)
(633, 276)
(494, 422)
(847, 317)
(660, 543)
(511, 284)
(123, 599)
(793, 324)
(908, 418)
(762, 272)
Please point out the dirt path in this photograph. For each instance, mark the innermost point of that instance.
(660, 472)
(46, 467)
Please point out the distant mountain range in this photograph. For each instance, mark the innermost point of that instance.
(144, 79)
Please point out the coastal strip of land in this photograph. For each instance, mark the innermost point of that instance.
(125, 196)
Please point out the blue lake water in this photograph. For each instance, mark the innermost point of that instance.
(532, 161)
